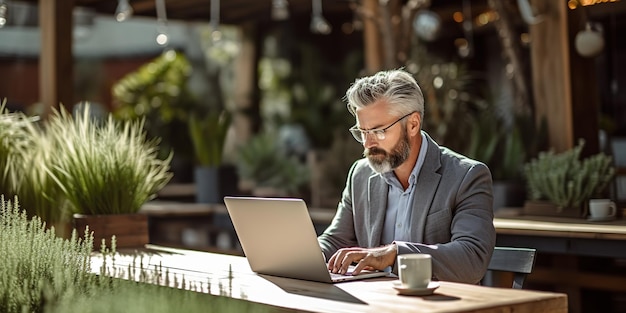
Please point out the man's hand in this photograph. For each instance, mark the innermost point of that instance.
(366, 258)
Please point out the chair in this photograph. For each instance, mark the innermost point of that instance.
(519, 261)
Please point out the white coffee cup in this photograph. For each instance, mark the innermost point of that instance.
(415, 270)
(602, 208)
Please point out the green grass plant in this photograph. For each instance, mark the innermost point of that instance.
(104, 167)
(208, 135)
(25, 157)
(14, 143)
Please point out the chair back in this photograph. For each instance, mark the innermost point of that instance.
(519, 261)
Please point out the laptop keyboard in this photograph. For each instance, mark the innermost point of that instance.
(337, 275)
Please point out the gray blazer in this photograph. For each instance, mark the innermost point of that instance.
(452, 218)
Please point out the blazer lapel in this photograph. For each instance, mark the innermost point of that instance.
(425, 189)
(377, 200)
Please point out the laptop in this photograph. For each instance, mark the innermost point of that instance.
(278, 238)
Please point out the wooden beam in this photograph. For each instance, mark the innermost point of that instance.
(56, 59)
(550, 62)
(247, 114)
(371, 36)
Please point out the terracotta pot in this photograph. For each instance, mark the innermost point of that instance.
(130, 230)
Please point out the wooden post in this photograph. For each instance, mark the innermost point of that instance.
(371, 37)
(246, 118)
(551, 76)
(56, 59)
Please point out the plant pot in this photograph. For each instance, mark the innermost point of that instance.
(207, 184)
(546, 208)
(508, 194)
(130, 230)
(213, 183)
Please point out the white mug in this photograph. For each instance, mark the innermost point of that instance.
(599, 208)
(415, 270)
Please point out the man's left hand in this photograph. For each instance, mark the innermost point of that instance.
(365, 258)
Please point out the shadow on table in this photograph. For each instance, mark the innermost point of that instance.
(440, 297)
(312, 289)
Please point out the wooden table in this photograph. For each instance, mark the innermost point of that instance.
(562, 242)
(563, 235)
(228, 275)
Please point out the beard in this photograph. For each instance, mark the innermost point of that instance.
(382, 161)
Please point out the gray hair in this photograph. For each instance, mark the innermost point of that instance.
(397, 87)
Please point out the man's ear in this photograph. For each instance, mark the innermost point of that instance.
(414, 124)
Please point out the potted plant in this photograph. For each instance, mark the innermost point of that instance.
(25, 156)
(158, 92)
(564, 182)
(14, 142)
(106, 170)
(265, 168)
(208, 136)
(505, 149)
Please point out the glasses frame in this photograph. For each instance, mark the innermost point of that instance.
(361, 134)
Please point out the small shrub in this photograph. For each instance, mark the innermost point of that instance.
(36, 266)
(565, 180)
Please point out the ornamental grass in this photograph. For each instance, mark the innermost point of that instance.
(25, 157)
(104, 167)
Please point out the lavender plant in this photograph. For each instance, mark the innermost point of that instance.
(37, 266)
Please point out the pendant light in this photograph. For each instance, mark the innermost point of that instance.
(319, 25)
(123, 11)
(162, 37)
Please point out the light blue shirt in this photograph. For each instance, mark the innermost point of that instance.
(399, 201)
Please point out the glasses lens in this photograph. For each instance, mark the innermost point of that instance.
(357, 134)
(380, 135)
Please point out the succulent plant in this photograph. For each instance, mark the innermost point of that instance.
(565, 180)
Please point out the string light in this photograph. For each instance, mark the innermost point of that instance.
(3, 13)
(279, 10)
(319, 25)
(216, 35)
(123, 11)
(162, 37)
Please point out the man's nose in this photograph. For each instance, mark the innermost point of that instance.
(369, 141)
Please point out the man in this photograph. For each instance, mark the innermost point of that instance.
(409, 195)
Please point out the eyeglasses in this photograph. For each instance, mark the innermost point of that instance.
(360, 135)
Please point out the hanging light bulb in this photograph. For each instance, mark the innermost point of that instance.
(3, 13)
(279, 10)
(319, 25)
(123, 11)
(216, 35)
(162, 37)
(426, 25)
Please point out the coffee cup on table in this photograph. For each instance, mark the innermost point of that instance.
(415, 270)
(601, 208)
